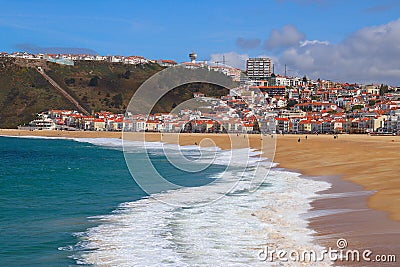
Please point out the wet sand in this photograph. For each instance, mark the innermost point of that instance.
(342, 212)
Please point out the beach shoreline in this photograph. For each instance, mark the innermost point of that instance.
(351, 157)
(361, 169)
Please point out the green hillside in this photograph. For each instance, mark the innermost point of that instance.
(95, 85)
(23, 93)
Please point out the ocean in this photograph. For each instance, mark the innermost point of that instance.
(74, 202)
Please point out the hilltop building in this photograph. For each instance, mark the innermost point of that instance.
(258, 68)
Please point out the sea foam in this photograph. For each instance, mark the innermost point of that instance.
(228, 232)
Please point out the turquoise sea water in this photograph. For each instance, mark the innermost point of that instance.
(49, 189)
(74, 202)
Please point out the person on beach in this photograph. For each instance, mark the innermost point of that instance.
(298, 140)
(306, 137)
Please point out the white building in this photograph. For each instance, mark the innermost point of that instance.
(258, 68)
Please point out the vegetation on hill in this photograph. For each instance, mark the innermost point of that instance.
(23, 93)
(95, 85)
(101, 85)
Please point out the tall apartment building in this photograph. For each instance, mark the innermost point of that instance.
(258, 68)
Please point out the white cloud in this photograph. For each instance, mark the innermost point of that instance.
(370, 54)
(283, 38)
(313, 42)
(232, 59)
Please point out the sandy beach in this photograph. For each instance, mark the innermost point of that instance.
(351, 163)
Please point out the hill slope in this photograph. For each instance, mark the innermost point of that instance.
(95, 85)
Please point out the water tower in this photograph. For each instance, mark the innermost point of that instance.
(193, 57)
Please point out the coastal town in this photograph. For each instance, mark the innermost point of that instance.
(200, 133)
(263, 102)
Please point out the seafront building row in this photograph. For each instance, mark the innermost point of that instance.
(251, 109)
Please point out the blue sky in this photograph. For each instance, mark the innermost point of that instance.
(172, 29)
